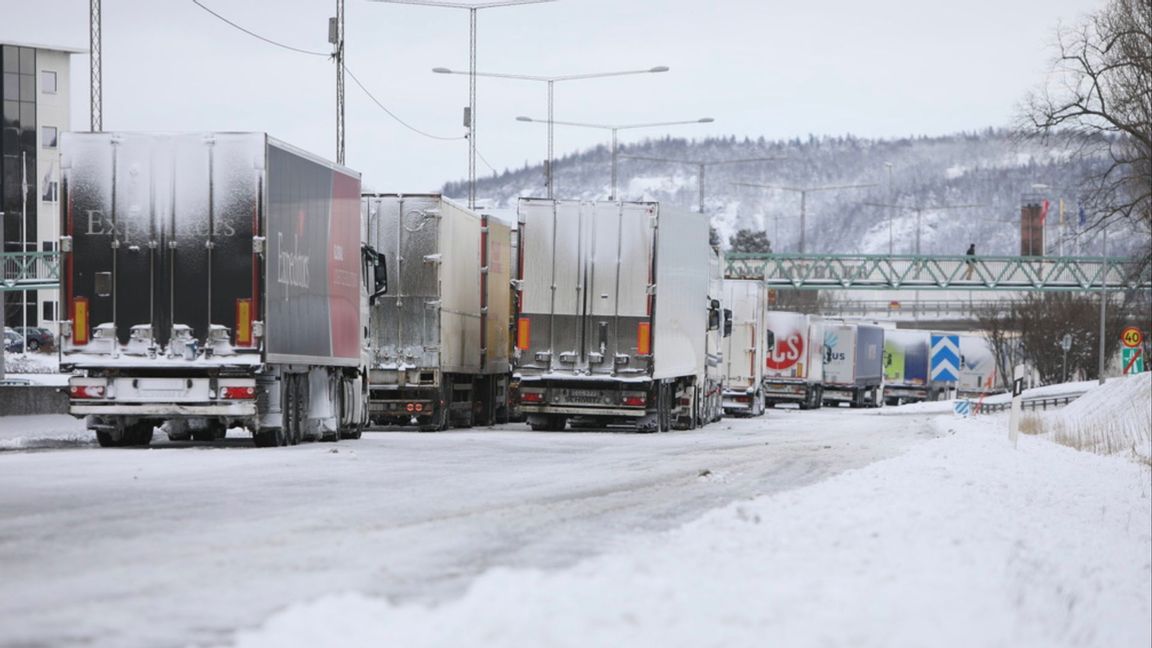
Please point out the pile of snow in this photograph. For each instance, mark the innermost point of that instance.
(962, 541)
(29, 363)
(43, 431)
(1115, 417)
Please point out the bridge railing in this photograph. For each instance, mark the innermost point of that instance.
(908, 272)
(29, 270)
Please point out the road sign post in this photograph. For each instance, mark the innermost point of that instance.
(1017, 390)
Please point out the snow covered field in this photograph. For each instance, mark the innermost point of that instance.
(820, 528)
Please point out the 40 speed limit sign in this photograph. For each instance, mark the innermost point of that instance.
(1131, 337)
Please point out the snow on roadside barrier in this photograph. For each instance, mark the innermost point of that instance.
(960, 542)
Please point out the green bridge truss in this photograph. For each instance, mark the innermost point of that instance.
(29, 270)
(906, 272)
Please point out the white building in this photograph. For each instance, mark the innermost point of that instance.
(35, 94)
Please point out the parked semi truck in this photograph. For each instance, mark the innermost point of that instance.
(745, 348)
(906, 355)
(614, 315)
(978, 374)
(440, 339)
(794, 364)
(212, 280)
(853, 364)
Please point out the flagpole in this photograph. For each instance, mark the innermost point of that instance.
(1061, 229)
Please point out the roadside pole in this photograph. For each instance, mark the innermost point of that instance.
(1014, 416)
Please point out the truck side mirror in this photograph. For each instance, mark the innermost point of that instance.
(380, 274)
(770, 342)
(713, 319)
(727, 322)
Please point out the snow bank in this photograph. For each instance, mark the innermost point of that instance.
(1115, 417)
(31, 363)
(960, 542)
(43, 431)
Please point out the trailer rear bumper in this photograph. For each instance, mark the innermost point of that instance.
(581, 411)
(163, 409)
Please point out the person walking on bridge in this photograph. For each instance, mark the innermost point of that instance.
(971, 254)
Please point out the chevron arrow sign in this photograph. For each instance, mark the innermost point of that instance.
(945, 358)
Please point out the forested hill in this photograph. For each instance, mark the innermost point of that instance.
(982, 176)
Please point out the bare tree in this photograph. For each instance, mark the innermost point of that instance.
(1099, 94)
(999, 327)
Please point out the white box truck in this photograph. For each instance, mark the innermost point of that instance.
(794, 365)
(614, 315)
(853, 364)
(745, 348)
(439, 341)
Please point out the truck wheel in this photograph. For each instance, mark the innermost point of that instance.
(138, 434)
(266, 437)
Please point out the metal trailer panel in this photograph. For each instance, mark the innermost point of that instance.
(680, 320)
(312, 228)
(496, 311)
(977, 365)
(744, 350)
(816, 350)
(458, 264)
(161, 228)
(839, 354)
(586, 268)
(906, 357)
(869, 356)
(798, 354)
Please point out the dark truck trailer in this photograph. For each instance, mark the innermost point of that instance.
(440, 340)
(211, 280)
(614, 316)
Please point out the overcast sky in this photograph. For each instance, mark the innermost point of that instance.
(874, 68)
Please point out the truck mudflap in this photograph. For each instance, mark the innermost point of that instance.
(742, 403)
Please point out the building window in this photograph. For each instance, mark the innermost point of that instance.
(51, 192)
(47, 82)
(49, 311)
(48, 136)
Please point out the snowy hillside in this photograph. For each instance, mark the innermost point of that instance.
(990, 170)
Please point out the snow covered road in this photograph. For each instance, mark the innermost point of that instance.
(185, 543)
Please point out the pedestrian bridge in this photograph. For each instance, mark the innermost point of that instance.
(29, 270)
(909, 272)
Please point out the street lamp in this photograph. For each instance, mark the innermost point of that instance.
(701, 164)
(551, 81)
(614, 129)
(920, 209)
(803, 191)
(470, 117)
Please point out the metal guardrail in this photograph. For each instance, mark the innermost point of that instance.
(908, 272)
(1029, 404)
(29, 270)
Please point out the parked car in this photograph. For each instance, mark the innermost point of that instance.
(37, 337)
(13, 342)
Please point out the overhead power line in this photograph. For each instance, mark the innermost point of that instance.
(346, 69)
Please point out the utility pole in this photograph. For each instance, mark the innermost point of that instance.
(336, 38)
(1103, 302)
(890, 201)
(701, 165)
(919, 210)
(803, 191)
(96, 98)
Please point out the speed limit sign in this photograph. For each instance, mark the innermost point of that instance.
(1131, 337)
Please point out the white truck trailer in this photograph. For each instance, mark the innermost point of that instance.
(614, 315)
(439, 341)
(794, 365)
(745, 348)
(906, 371)
(853, 364)
(212, 280)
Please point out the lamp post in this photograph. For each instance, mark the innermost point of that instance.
(700, 166)
(891, 238)
(614, 129)
(470, 116)
(804, 191)
(551, 81)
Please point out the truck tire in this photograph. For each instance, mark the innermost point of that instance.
(268, 437)
(137, 434)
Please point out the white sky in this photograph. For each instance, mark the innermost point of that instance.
(771, 68)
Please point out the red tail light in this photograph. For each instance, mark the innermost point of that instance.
(238, 393)
(635, 401)
(87, 391)
(531, 397)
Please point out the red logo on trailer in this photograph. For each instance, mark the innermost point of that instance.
(787, 352)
